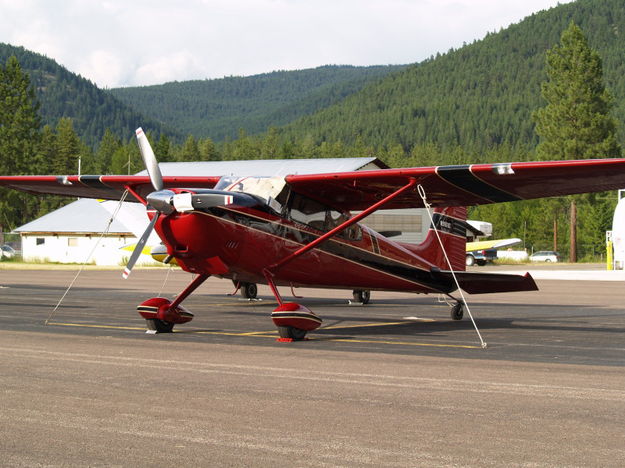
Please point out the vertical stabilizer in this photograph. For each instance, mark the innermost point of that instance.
(451, 225)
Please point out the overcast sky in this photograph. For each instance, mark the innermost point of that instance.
(141, 42)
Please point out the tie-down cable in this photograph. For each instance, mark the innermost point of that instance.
(463, 301)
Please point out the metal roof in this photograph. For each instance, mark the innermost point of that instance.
(83, 216)
(268, 167)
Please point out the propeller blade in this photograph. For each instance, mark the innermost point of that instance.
(151, 164)
(139, 247)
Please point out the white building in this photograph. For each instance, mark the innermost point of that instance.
(71, 233)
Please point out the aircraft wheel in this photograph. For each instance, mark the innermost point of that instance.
(296, 334)
(470, 260)
(457, 312)
(160, 326)
(249, 290)
(362, 296)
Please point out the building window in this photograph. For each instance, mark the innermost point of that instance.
(40, 241)
(72, 241)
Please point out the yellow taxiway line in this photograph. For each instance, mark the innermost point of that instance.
(272, 334)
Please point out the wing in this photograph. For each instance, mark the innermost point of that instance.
(464, 185)
(104, 187)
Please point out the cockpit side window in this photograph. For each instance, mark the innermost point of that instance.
(307, 211)
(318, 216)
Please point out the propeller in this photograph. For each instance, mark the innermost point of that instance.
(139, 248)
(167, 202)
(159, 200)
(151, 164)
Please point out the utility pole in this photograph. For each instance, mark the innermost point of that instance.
(555, 233)
(573, 233)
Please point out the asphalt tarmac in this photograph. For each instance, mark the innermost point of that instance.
(393, 383)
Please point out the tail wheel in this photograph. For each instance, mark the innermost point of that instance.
(457, 312)
(293, 333)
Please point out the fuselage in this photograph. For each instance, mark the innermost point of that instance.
(241, 242)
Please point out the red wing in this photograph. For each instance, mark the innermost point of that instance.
(105, 187)
(463, 185)
(444, 185)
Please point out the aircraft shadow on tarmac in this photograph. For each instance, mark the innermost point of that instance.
(417, 328)
(562, 318)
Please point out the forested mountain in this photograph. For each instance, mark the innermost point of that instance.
(219, 108)
(62, 93)
(477, 97)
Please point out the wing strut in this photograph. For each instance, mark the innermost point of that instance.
(462, 302)
(270, 271)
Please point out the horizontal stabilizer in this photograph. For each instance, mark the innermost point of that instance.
(483, 283)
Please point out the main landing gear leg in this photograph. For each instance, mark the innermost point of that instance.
(293, 320)
(161, 314)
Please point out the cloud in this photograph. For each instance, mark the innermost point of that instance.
(169, 67)
(119, 43)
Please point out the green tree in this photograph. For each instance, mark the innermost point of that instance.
(127, 159)
(46, 151)
(104, 155)
(244, 148)
(162, 149)
(68, 148)
(19, 139)
(576, 122)
(190, 150)
(208, 150)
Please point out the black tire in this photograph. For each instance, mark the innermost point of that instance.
(249, 290)
(362, 296)
(296, 334)
(470, 260)
(457, 312)
(161, 326)
(481, 262)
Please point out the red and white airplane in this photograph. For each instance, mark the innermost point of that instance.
(297, 230)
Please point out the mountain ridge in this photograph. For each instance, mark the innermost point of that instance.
(63, 93)
(219, 108)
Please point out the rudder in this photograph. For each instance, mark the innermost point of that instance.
(451, 225)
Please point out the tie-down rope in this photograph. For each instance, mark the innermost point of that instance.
(422, 194)
(88, 259)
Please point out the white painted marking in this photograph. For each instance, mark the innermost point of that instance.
(574, 275)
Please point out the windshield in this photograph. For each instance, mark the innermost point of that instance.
(266, 188)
